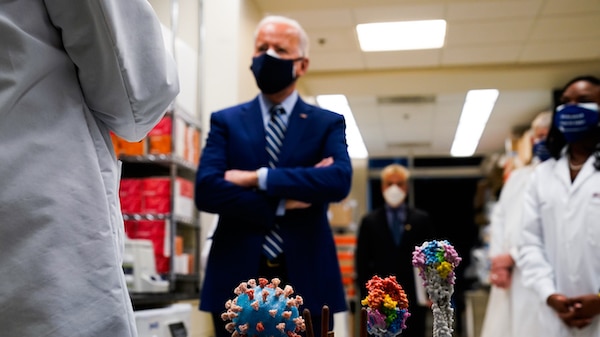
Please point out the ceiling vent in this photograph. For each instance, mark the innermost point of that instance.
(414, 99)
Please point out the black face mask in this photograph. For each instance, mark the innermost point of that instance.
(272, 74)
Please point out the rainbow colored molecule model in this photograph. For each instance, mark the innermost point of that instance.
(387, 307)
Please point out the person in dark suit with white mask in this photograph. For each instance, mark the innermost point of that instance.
(386, 239)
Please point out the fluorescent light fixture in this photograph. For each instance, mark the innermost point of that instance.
(401, 35)
(339, 104)
(475, 114)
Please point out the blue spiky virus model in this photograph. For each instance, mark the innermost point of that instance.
(263, 309)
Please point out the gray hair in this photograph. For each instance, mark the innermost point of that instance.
(542, 120)
(302, 36)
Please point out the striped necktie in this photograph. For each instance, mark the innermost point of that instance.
(275, 134)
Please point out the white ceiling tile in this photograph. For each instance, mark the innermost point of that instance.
(360, 101)
(444, 99)
(588, 49)
(562, 7)
(332, 39)
(492, 10)
(487, 32)
(485, 54)
(406, 122)
(403, 59)
(566, 27)
(323, 18)
(398, 13)
(365, 115)
(489, 141)
(398, 136)
(336, 61)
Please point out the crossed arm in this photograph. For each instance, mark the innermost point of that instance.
(249, 179)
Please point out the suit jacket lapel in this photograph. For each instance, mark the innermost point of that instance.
(252, 121)
(297, 123)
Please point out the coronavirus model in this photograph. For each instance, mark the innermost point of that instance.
(387, 307)
(263, 309)
(436, 261)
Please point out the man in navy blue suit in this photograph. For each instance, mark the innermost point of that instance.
(270, 176)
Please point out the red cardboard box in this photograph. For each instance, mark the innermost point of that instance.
(156, 186)
(130, 193)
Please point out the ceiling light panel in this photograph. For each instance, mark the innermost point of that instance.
(401, 35)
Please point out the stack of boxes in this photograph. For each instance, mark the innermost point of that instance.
(149, 202)
(341, 219)
(156, 231)
(346, 244)
(160, 141)
(152, 196)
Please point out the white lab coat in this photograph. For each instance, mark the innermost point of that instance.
(560, 249)
(511, 312)
(71, 71)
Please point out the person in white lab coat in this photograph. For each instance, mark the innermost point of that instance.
(511, 307)
(71, 72)
(559, 252)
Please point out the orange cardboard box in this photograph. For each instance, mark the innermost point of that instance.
(133, 148)
(178, 245)
(159, 138)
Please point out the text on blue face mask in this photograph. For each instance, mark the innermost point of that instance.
(575, 120)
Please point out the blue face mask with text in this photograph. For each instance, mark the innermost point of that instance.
(575, 120)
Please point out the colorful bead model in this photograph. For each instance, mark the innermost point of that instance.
(436, 261)
(387, 307)
(263, 309)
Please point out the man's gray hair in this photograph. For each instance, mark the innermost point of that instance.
(302, 36)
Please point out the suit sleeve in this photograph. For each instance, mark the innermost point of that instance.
(216, 195)
(317, 185)
(127, 77)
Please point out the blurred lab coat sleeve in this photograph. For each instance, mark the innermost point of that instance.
(128, 78)
(497, 228)
(538, 274)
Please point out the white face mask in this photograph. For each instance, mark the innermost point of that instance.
(394, 195)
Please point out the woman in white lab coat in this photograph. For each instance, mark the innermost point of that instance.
(559, 253)
(512, 308)
(70, 72)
